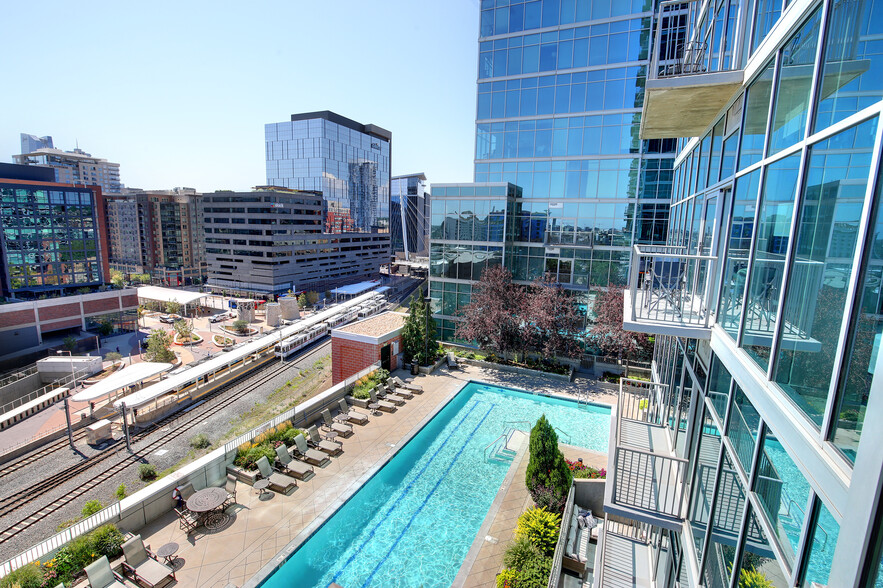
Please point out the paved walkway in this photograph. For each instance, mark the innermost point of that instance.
(260, 528)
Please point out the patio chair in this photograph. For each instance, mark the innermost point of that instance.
(339, 428)
(351, 415)
(326, 445)
(101, 576)
(186, 491)
(452, 362)
(278, 481)
(230, 487)
(142, 565)
(312, 456)
(381, 404)
(187, 521)
(407, 385)
(386, 394)
(298, 469)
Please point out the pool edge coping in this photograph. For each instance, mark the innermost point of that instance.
(286, 552)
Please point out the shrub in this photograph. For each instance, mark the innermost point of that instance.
(248, 458)
(107, 540)
(90, 508)
(28, 576)
(749, 578)
(547, 467)
(519, 552)
(548, 498)
(112, 356)
(507, 578)
(289, 435)
(535, 573)
(540, 527)
(200, 441)
(120, 492)
(146, 471)
(240, 326)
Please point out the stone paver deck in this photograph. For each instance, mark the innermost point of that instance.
(260, 528)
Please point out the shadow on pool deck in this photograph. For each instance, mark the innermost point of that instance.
(261, 528)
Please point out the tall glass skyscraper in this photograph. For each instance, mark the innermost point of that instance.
(560, 90)
(409, 215)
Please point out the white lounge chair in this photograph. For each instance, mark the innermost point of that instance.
(326, 445)
(298, 469)
(351, 415)
(407, 385)
(312, 456)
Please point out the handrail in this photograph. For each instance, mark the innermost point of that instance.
(802, 514)
(484, 451)
(563, 432)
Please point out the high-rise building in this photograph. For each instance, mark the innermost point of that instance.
(52, 240)
(271, 240)
(71, 167)
(560, 90)
(409, 216)
(158, 232)
(348, 162)
(751, 457)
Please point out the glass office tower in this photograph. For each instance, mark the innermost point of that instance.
(765, 303)
(560, 90)
(409, 216)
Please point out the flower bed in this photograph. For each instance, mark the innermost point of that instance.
(363, 386)
(582, 471)
(222, 341)
(249, 332)
(264, 445)
(194, 338)
(537, 364)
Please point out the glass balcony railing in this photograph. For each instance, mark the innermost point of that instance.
(669, 287)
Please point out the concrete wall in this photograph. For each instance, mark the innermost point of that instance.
(15, 390)
(54, 368)
(589, 494)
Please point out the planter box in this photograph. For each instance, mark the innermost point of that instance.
(568, 377)
(425, 370)
(360, 402)
(245, 476)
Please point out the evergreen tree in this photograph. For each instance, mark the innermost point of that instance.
(416, 339)
(158, 347)
(547, 469)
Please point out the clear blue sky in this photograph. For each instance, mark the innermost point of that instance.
(178, 92)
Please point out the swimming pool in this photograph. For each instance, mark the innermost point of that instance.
(414, 521)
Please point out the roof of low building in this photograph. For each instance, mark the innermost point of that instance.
(376, 326)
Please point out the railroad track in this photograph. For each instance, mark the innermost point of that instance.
(27, 495)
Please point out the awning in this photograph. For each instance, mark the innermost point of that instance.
(169, 294)
(122, 379)
(354, 289)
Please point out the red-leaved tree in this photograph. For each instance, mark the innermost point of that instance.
(492, 319)
(553, 324)
(607, 331)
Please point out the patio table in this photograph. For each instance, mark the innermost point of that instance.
(205, 503)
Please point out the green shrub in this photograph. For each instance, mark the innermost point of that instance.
(540, 527)
(507, 578)
(112, 356)
(76, 555)
(289, 435)
(90, 508)
(247, 457)
(200, 441)
(107, 540)
(749, 578)
(146, 471)
(120, 492)
(547, 467)
(535, 573)
(28, 576)
(519, 552)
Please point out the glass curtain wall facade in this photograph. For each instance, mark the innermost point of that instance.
(784, 189)
(560, 89)
(409, 216)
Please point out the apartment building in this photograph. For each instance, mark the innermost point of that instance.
(70, 167)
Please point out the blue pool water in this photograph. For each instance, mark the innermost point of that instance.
(414, 521)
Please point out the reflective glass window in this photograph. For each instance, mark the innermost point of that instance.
(794, 85)
(759, 566)
(738, 248)
(754, 127)
(828, 223)
(823, 535)
(766, 15)
(718, 391)
(704, 478)
(853, 56)
(742, 428)
(775, 214)
(727, 521)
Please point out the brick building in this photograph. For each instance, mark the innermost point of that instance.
(356, 346)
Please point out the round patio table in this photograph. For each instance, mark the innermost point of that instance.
(167, 552)
(205, 503)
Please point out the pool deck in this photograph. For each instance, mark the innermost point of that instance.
(261, 527)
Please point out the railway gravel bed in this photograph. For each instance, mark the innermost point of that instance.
(169, 455)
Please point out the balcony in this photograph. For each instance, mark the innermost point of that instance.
(669, 292)
(694, 69)
(646, 478)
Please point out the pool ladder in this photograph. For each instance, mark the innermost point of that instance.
(498, 450)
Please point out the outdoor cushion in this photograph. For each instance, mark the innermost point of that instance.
(101, 576)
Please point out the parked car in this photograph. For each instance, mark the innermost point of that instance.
(219, 317)
(166, 318)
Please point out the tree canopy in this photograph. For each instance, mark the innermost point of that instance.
(419, 343)
(607, 331)
(158, 347)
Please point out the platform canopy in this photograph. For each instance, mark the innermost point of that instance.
(354, 289)
(122, 379)
(169, 294)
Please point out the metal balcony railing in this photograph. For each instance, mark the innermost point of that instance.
(669, 285)
(646, 475)
(695, 37)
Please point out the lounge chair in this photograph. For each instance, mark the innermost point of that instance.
(386, 394)
(338, 427)
(187, 521)
(326, 445)
(351, 415)
(278, 481)
(407, 385)
(101, 576)
(452, 362)
(230, 487)
(399, 391)
(298, 469)
(381, 404)
(312, 456)
(142, 565)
